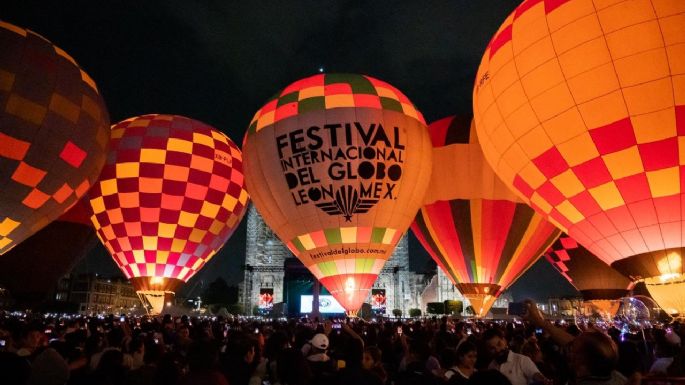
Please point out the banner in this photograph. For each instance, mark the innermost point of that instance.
(266, 299)
(378, 301)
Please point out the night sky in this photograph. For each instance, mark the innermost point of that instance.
(219, 61)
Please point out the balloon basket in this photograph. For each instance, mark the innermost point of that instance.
(154, 301)
(352, 313)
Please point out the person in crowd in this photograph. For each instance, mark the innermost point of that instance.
(462, 367)
(203, 363)
(293, 369)
(321, 365)
(519, 369)
(373, 362)
(592, 357)
(489, 377)
(240, 358)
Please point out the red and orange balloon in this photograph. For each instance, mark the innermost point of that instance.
(338, 164)
(54, 131)
(171, 194)
(480, 234)
(580, 107)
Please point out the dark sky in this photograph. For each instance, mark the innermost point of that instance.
(218, 61)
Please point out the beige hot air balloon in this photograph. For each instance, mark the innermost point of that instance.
(338, 165)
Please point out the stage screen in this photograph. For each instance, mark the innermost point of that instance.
(378, 300)
(327, 304)
(266, 299)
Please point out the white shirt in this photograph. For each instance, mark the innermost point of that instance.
(519, 369)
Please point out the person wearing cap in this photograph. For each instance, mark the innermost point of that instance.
(322, 366)
(319, 347)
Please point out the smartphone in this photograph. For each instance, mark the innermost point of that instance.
(157, 341)
(399, 330)
(2, 343)
(469, 332)
(336, 326)
(256, 331)
(122, 319)
(517, 309)
(538, 331)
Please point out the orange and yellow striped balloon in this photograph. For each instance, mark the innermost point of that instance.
(476, 230)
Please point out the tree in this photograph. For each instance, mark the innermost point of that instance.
(415, 313)
(397, 313)
(453, 307)
(435, 308)
(219, 293)
(236, 308)
(469, 310)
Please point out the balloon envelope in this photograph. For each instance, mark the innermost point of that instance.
(581, 109)
(337, 165)
(476, 230)
(598, 283)
(169, 197)
(54, 131)
(32, 269)
(588, 274)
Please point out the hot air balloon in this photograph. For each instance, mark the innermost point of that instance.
(54, 130)
(169, 197)
(580, 108)
(481, 235)
(32, 269)
(337, 164)
(599, 284)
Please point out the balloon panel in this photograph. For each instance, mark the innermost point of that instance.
(32, 269)
(580, 109)
(171, 194)
(669, 295)
(54, 131)
(337, 165)
(592, 277)
(475, 229)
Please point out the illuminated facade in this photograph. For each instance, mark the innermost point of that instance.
(96, 295)
(265, 269)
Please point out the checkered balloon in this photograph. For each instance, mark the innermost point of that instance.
(54, 131)
(580, 107)
(169, 197)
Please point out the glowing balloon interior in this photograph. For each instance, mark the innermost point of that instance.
(597, 282)
(171, 194)
(54, 131)
(338, 165)
(581, 109)
(592, 277)
(481, 235)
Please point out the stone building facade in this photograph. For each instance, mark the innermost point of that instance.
(265, 268)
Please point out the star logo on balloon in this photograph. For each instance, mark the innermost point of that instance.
(347, 203)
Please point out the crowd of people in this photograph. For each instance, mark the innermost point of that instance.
(167, 350)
